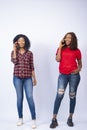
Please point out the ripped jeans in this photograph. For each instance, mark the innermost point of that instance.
(63, 80)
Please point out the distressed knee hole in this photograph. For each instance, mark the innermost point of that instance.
(61, 91)
(72, 95)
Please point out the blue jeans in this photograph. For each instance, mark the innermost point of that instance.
(63, 80)
(27, 85)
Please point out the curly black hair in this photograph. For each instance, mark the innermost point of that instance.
(27, 41)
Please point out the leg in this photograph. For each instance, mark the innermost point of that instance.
(28, 86)
(19, 91)
(59, 97)
(62, 83)
(73, 85)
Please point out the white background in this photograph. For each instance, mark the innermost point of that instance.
(45, 22)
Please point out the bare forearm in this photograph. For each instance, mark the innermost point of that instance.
(14, 50)
(33, 74)
(79, 67)
(34, 78)
(58, 56)
(14, 54)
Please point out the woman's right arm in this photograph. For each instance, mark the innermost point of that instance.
(14, 55)
(58, 55)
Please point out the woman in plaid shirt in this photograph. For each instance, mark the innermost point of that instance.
(24, 75)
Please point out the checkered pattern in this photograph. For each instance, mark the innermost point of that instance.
(23, 64)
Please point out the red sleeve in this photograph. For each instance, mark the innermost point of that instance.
(78, 53)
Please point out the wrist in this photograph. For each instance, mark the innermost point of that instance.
(60, 47)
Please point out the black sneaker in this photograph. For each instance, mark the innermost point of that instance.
(54, 123)
(69, 122)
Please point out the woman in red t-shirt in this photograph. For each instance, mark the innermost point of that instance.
(70, 65)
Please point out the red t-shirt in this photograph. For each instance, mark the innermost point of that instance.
(68, 61)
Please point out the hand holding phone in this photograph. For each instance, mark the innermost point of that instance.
(63, 42)
(16, 46)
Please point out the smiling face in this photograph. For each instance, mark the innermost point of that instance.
(21, 42)
(68, 39)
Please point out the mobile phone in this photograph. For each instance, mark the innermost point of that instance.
(17, 46)
(63, 42)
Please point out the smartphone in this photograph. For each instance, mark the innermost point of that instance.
(63, 42)
(17, 46)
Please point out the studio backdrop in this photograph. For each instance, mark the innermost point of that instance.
(45, 22)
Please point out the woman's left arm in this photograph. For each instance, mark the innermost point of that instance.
(79, 67)
(34, 78)
(33, 71)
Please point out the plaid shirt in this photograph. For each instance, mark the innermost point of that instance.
(23, 64)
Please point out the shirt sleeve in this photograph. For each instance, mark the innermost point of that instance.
(31, 62)
(79, 55)
(14, 60)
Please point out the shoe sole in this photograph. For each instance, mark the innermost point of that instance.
(34, 127)
(54, 127)
(19, 124)
(71, 125)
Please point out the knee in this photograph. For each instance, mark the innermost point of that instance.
(61, 93)
(30, 98)
(72, 95)
(19, 98)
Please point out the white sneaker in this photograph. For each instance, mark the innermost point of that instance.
(20, 122)
(34, 124)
